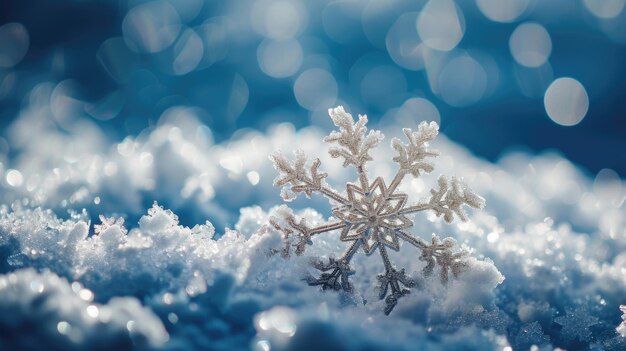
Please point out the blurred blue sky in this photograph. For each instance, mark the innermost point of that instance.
(498, 75)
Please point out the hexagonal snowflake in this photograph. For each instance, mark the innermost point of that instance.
(371, 214)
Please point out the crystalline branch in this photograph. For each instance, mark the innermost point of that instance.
(372, 215)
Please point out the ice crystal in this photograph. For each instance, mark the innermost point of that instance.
(576, 324)
(108, 222)
(529, 335)
(371, 214)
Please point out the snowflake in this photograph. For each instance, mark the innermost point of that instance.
(371, 214)
(576, 324)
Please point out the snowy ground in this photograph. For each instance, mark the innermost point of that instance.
(548, 251)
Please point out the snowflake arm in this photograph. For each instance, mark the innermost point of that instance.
(392, 278)
(354, 144)
(449, 200)
(415, 241)
(294, 178)
(412, 156)
(297, 232)
(442, 254)
(338, 278)
(439, 253)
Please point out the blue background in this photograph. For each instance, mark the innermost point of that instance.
(66, 36)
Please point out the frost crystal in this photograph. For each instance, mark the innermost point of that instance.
(529, 335)
(108, 222)
(576, 324)
(371, 214)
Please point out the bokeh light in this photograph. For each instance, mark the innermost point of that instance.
(441, 25)
(116, 59)
(615, 28)
(151, 27)
(462, 81)
(530, 45)
(415, 110)
(605, 8)
(14, 178)
(378, 16)
(566, 101)
(188, 52)
(341, 20)
(280, 59)
(315, 89)
(251, 64)
(502, 10)
(279, 19)
(404, 44)
(188, 10)
(107, 108)
(14, 42)
(214, 33)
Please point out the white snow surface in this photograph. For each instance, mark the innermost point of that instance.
(550, 239)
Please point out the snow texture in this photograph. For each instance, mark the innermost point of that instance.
(621, 329)
(575, 324)
(556, 234)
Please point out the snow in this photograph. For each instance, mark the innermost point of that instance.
(621, 329)
(44, 311)
(551, 241)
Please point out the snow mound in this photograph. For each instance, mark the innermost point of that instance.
(45, 311)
